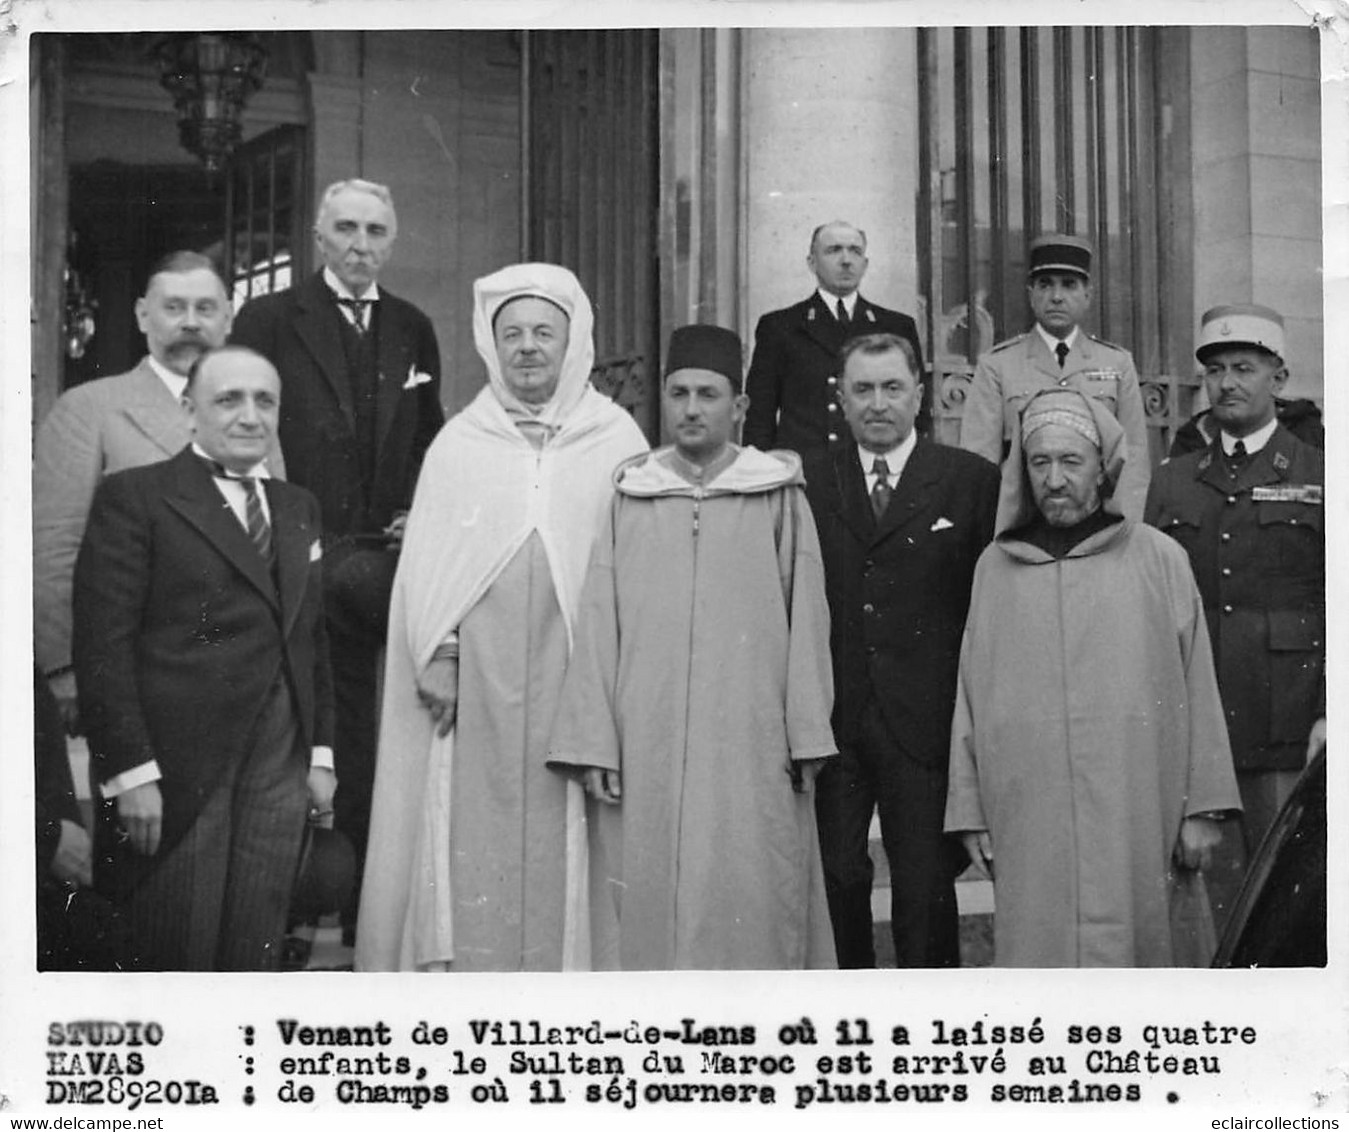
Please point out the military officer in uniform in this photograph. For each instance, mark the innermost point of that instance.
(793, 379)
(1249, 510)
(1057, 352)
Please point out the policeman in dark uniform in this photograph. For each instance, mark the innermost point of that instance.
(793, 378)
(1249, 510)
(1057, 352)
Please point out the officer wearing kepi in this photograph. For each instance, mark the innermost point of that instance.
(1058, 352)
(1249, 510)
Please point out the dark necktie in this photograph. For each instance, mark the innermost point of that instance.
(842, 315)
(880, 494)
(259, 529)
(358, 308)
(1236, 459)
(1061, 352)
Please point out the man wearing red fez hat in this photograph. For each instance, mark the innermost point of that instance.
(696, 705)
(1057, 353)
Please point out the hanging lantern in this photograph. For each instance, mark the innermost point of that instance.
(211, 75)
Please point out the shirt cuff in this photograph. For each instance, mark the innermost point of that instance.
(130, 779)
(321, 759)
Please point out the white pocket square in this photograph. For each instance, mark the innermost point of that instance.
(315, 551)
(416, 377)
(942, 524)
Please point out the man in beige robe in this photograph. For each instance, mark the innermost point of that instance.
(477, 850)
(1089, 758)
(696, 707)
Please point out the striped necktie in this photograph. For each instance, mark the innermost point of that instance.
(881, 492)
(255, 518)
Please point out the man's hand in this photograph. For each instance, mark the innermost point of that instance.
(1317, 739)
(603, 785)
(63, 688)
(140, 813)
(74, 859)
(803, 772)
(322, 787)
(1194, 847)
(979, 845)
(438, 690)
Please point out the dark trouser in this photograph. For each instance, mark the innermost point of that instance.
(358, 580)
(874, 773)
(219, 898)
(1263, 793)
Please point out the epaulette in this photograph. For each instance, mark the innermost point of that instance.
(1112, 345)
(1008, 342)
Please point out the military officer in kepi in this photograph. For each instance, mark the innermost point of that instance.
(1056, 351)
(1249, 510)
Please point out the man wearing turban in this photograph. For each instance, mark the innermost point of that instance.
(1089, 758)
(477, 857)
(696, 708)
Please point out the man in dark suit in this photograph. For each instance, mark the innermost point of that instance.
(201, 662)
(902, 521)
(361, 371)
(793, 376)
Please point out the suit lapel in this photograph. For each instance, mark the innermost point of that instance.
(848, 493)
(316, 324)
(295, 542)
(153, 411)
(393, 365)
(199, 501)
(912, 490)
(1038, 355)
(819, 323)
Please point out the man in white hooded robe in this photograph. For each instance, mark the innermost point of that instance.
(478, 850)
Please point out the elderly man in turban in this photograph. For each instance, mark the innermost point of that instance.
(1089, 759)
(477, 858)
(697, 701)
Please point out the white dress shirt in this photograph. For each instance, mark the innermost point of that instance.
(895, 460)
(1256, 441)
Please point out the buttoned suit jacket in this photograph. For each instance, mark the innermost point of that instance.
(1260, 566)
(899, 587)
(299, 331)
(181, 630)
(794, 372)
(1012, 372)
(93, 430)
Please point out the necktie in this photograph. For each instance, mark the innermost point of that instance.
(1239, 450)
(255, 518)
(358, 309)
(842, 312)
(1061, 351)
(1237, 458)
(880, 494)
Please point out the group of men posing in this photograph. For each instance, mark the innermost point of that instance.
(639, 707)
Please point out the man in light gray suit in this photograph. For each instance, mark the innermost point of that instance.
(113, 423)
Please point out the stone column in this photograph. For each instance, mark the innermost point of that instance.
(1256, 128)
(830, 132)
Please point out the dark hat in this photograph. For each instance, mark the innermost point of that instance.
(1244, 324)
(1060, 253)
(326, 875)
(707, 347)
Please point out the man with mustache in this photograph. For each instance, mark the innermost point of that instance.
(1249, 510)
(361, 371)
(114, 423)
(794, 374)
(902, 521)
